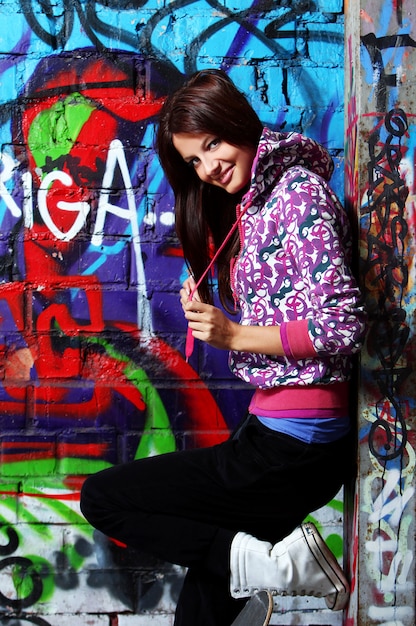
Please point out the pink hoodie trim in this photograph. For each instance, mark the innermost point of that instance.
(320, 400)
(296, 341)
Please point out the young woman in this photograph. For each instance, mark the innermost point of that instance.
(232, 514)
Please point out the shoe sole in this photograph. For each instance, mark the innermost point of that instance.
(327, 561)
(257, 611)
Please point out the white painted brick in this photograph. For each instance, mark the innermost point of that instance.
(83, 619)
(82, 599)
(303, 611)
(146, 620)
(44, 507)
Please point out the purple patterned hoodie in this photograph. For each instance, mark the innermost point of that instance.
(293, 269)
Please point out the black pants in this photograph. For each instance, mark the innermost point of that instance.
(185, 507)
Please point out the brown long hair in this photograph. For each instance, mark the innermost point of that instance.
(208, 103)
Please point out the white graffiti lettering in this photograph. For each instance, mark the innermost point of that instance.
(115, 158)
(384, 506)
(8, 167)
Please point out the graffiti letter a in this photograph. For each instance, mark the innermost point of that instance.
(115, 156)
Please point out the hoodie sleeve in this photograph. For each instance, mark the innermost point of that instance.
(318, 239)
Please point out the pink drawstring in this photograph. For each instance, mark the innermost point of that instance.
(189, 344)
(190, 339)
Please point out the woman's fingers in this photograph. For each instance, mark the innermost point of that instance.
(188, 292)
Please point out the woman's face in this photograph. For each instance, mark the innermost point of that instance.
(215, 161)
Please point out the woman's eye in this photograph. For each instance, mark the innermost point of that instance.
(214, 143)
(193, 162)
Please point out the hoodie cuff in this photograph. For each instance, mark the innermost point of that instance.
(296, 341)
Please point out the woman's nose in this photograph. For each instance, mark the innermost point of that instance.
(212, 166)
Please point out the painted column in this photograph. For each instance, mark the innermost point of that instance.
(380, 190)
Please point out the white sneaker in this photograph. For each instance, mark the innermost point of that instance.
(300, 564)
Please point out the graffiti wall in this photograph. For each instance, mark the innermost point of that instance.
(381, 134)
(91, 332)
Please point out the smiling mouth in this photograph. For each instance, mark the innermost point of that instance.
(225, 177)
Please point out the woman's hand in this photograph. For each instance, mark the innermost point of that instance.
(187, 288)
(209, 324)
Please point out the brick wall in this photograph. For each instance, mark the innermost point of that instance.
(91, 332)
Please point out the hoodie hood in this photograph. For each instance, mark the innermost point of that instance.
(277, 152)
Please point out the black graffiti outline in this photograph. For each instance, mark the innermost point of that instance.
(385, 254)
(54, 39)
(27, 567)
(375, 46)
(61, 22)
(31, 619)
(141, 40)
(90, 21)
(13, 541)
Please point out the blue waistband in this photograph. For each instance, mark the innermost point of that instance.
(309, 429)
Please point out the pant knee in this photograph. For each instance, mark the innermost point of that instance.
(90, 499)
